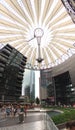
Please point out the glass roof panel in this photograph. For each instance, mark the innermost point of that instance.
(19, 19)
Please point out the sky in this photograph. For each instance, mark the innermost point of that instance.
(37, 76)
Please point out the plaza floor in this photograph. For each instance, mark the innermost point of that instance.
(33, 121)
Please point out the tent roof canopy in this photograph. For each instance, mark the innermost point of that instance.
(20, 18)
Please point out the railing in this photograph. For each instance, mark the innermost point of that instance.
(48, 123)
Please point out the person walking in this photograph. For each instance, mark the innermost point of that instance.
(25, 110)
(21, 114)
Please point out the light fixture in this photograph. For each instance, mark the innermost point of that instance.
(38, 33)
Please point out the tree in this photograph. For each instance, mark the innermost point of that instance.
(37, 100)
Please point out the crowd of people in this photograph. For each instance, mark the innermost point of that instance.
(12, 110)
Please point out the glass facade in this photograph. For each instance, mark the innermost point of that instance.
(64, 89)
(12, 64)
(28, 86)
(45, 83)
(57, 89)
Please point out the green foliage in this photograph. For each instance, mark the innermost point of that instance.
(37, 100)
(68, 115)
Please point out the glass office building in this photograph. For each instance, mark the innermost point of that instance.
(58, 89)
(28, 86)
(12, 64)
(45, 81)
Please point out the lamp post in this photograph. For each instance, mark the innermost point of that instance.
(38, 33)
